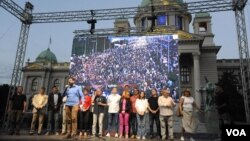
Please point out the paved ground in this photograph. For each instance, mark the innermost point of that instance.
(25, 137)
(201, 135)
(56, 138)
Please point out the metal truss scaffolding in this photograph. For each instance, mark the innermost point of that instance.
(27, 18)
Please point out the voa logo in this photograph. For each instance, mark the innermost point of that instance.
(236, 132)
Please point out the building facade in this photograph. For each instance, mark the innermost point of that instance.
(46, 72)
(197, 50)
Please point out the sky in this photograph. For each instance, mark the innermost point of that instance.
(223, 26)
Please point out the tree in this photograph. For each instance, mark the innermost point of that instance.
(230, 83)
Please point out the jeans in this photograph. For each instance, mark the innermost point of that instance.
(15, 120)
(124, 121)
(133, 123)
(112, 118)
(84, 120)
(141, 131)
(53, 116)
(71, 115)
(39, 114)
(167, 120)
(100, 117)
(154, 118)
(147, 126)
(64, 121)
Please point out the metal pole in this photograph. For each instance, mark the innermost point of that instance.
(19, 60)
(17, 70)
(243, 53)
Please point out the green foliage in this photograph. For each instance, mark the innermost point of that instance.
(237, 110)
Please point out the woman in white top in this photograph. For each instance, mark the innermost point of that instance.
(189, 120)
(141, 106)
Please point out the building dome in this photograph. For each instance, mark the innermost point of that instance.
(145, 2)
(148, 2)
(46, 56)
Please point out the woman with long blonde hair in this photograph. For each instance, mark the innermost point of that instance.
(124, 111)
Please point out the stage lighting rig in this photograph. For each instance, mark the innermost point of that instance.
(92, 22)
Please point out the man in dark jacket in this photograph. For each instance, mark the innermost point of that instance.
(222, 104)
(17, 107)
(54, 104)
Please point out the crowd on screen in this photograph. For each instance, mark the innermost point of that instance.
(150, 61)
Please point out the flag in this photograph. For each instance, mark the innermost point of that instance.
(50, 40)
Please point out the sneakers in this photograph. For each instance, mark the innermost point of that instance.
(126, 136)
(31, 133)
(93, 136)
(192, 139)
(163, 138)
(108, 135)
(57, 134)
(182, 138)
(47, 134)
(85, 134)
(116, 135)
(138, 137)
(151, 137)
(143, 137)
(74, 137)
(132, 136)
(67, 136)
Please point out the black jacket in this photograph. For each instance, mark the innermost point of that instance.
(128, 105)
(51, 105)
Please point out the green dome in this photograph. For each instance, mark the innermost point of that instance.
(46, 56)
(145, 2)
(179, 1)
(148, 2)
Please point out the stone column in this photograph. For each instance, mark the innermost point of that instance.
(197, 96)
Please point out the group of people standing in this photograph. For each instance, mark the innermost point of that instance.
(128, 112)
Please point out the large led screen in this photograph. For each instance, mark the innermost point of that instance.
(142, 61)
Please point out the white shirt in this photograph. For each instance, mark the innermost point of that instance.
(188, 103)
(55, 99)
(166, 105)
(141, 105)
(113, 102)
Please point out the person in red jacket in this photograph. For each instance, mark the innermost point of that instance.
(84, 113)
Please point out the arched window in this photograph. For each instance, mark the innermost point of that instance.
(185, 75)
(57, 83)
(34, 85)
